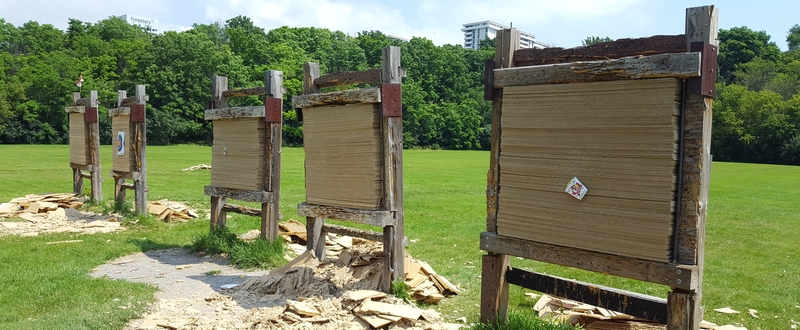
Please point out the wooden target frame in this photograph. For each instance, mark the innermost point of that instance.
(129, 152)
(84, 143)
(688, 59)
(254, 136)
(379, 112)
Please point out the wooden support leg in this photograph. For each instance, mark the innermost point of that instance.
(141, 196)
(494, 288)
(683, 310)
(218, 215)
(388, 259)
(77, 181)
(269, 221)
(315, 235)
(119, 191)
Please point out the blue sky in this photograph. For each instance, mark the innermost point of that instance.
(562, 23)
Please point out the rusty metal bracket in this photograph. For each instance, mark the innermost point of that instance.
(392, 100)
(273, 107)
(488, 80)
(90, 116)
(705, 84)
(137, 113)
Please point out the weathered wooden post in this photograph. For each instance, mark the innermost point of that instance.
(129, 132)
(623, 191)
(363, 129)
(246, 153)
(84, 142)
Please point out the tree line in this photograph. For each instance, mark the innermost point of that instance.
(757, 108)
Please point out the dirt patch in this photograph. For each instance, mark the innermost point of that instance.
(190, 297)
(60, 220)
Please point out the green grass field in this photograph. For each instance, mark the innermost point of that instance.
(752, 251)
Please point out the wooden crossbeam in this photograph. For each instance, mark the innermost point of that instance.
(627, 302)
(368, 217)
(132, 100)
(673, 275)
(353, 96)
(681, 66)
(602, 50)
(371, 76)
(241, 209)
(254, 91)
(256, 111)
(237, 194)
(347, 231)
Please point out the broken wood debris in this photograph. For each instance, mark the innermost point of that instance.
(168, 210)
(40, 204)
(426, 285)
(197, 167)
(596, 318)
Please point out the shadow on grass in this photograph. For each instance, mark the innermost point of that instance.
(145, 244)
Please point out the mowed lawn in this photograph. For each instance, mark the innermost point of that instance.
(752, 251)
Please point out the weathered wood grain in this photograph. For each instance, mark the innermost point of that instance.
(75, 109)
(256, 111)
(242, 195)
(682, 66)
(392, 128)
(627, 302)
(254, 91)
(123, 111)
(352, 96)
(371, 76)
(241, 209)
(673, 275)
(368, 217)
(602, 51)
(270, 212)
(347, 231)
(494, 288)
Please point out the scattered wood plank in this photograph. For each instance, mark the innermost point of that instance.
(63, 242)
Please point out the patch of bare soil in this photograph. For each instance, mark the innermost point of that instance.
(304, 294)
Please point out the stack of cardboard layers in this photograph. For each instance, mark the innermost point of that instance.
(619, 138)
(124, 162)
(77, 139)
(237, 156)
(344, 159)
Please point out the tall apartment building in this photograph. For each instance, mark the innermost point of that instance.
(144, 22)
(475, 32)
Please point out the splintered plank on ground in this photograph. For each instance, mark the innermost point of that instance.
(344, 162)
(619, 138)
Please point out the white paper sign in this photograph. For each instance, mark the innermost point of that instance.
(576, 188)
(121, 143)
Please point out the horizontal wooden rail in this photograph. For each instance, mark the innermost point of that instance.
(255, 91)
(369, 95)
(241, 209)
(75, 109)
(627, 302)
(83, 101)
(347, 231)
(257, 111)
(123, 111)
(238, 194)
(371, 76)
(368, 217)
(602, 50)
(669, 274)
(132, 100)
(681, 66)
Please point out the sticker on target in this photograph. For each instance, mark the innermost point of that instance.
(576, 188)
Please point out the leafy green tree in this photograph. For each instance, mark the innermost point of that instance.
(740, 45)
(594, 39)
(793, 38)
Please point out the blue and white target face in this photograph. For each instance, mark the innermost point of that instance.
(121, 143)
